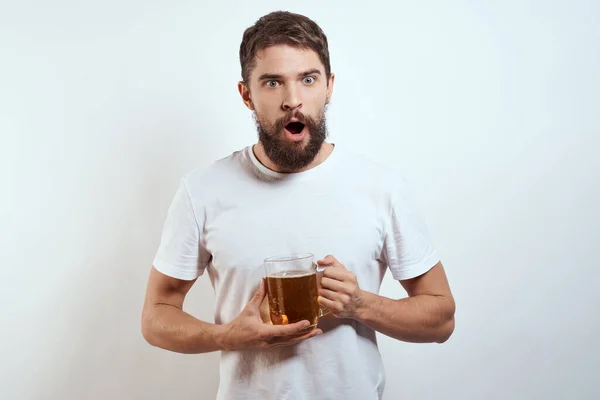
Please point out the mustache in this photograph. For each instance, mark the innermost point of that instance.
(295, 114)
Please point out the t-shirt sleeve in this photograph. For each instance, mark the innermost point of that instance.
(408, 249)
(181, 253)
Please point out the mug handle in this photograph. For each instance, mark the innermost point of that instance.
(323, 311)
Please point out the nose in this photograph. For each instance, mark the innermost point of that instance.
(291, 100)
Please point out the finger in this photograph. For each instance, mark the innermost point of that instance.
(313, 333)
(259, 295)
(325, 264)
(339, 299)
(332, 284)
(331, 295)
(283, 330)
(333, 306)
(328, 260)
(340, 274)
(331, 259)
(283, 341)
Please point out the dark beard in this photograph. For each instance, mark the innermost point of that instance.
(291, 156)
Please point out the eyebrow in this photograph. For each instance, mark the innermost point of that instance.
(278, 76)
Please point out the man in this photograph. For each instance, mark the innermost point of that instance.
(294, 192)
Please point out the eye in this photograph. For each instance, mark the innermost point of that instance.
(309, 80)
(272, 84)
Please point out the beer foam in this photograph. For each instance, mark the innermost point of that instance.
(291, 274)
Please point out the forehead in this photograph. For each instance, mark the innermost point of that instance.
(286, 60)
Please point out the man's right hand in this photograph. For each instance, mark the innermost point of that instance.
(248, 330)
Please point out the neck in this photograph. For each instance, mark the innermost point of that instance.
(259, 151)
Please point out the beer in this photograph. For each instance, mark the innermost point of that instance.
(293, 297)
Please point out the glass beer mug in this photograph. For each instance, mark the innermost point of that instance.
(293, 283)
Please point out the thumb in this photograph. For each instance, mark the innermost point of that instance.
(259, 295)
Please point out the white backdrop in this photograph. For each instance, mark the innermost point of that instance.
(492, 110)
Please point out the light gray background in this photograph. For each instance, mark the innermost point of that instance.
(491, 109)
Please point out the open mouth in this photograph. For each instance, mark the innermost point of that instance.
(295, 127)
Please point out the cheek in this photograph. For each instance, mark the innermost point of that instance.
(316, 100)
(267, 107)
(265, 115)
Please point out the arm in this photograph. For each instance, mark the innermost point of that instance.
(166, 325)
(426, 315)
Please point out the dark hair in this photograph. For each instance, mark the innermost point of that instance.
(282, 27)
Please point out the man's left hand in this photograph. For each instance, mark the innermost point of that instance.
(339, 290)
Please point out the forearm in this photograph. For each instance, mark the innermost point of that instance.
(418, 319)
(171, 328)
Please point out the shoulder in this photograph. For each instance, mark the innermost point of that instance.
(378, 175)
(213, 176)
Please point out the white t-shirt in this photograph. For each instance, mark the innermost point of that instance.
(227, 218)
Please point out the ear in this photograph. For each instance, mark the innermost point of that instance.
(246, 96)
(330, 86)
